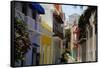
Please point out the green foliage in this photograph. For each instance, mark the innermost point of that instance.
(84, 20)
(82, 26)
(67, 34)
(21, 40)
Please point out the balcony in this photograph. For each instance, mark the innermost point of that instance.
(32, 24)
(58, 18)
(19, 15)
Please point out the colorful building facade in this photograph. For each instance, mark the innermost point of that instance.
(58, 32)
(46, 50)
(31, 18)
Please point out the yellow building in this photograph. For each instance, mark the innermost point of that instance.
(45, 44)
(46, 39)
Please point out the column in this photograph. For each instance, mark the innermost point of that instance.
(94, 43)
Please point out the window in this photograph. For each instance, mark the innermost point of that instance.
(34, 14)
(24, 8)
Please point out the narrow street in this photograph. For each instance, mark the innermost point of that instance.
(54, 33)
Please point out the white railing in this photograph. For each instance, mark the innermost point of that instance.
(32, 24)
(19, 15)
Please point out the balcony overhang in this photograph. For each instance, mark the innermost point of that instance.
(58, 18)
(38, 7)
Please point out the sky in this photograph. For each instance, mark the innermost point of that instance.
(69, 10)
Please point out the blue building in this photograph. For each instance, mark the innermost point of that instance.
(30, 12)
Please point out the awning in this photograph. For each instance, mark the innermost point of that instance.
(38, 7)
